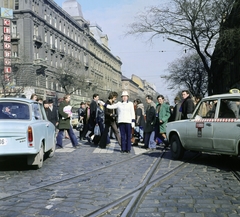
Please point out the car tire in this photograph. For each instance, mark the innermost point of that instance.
(51, 152)
(40, 157)
(177, 149)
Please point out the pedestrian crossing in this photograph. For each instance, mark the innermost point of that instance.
(110, 149)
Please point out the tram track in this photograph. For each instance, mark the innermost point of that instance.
(72, 177)
(131, 198)
(135, 196)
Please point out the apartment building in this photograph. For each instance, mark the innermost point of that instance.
(44, 36)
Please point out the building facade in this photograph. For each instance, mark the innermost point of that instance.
(44, 36)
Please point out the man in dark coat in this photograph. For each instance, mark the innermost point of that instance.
(93, 113)
(65, 113)
(110, 121)
(81, 117)
(187, 106)
(176, 114)
(149, 132)
(52, 113)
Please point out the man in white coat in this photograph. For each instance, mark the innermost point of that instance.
(126, 120)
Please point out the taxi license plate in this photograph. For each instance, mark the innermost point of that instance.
(3, 141)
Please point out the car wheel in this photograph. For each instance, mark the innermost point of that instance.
(177, 149)
(40, 157)
(51, 152)
(36, 160)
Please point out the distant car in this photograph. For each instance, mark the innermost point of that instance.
(74, 120)
(25, 130)
(213, 127)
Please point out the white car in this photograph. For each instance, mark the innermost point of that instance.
(25, 130)
(213, 127)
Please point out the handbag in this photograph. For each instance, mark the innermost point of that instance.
(97, 130)
(80, 126)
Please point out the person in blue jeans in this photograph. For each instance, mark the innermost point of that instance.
(65, 113)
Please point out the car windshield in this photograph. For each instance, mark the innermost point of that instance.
(14, 110)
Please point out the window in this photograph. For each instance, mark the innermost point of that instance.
(36, 112)
(11, 110)
(51, 39)
(45, 15)
(14, 50)
(207, 109)
(50, 18)
(60, 25)
(47, 79)
(229, 108)
(5, 4)
(55, 22)
(45, 37)
(14, 28)
(56, 43)
(16, 4)
(35, 30)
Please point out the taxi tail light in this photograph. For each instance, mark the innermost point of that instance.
(30, 135)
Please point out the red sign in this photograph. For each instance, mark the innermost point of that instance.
(6, 77)
(6, 22)
(7, 46)
(7, 69)
(7, 53)
(6, 30)
(199, 125)
(7, 62)
(7, 38)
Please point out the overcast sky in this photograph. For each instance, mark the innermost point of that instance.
(148, 61)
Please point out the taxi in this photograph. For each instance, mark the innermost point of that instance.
(213, 127)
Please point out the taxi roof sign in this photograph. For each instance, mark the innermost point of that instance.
(6, 13)
(234, 91)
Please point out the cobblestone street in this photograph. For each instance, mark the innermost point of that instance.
(94, 182)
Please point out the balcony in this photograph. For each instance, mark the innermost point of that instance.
(52, 48)
(38, 40)
(15, 36)
(40, 65)
(86, 65)
(62, 52)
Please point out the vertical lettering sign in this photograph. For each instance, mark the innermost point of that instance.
(7, 48)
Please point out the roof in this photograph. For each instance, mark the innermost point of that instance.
(225, 96)
(17, 99)
(73, 8)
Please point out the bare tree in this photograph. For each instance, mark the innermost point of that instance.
(188, 73)
(70, 76)
(14, 83)
(194, 24)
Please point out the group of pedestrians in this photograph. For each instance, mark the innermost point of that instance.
(123, 118)
(127, 117)
(60, 118)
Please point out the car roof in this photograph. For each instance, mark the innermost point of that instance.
(223, 96)
(17, 99)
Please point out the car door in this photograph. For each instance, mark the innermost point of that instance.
(39, 124)
(227, 127)
(200, 127)
(49, 130)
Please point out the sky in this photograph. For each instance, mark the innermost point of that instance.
(147, 60)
